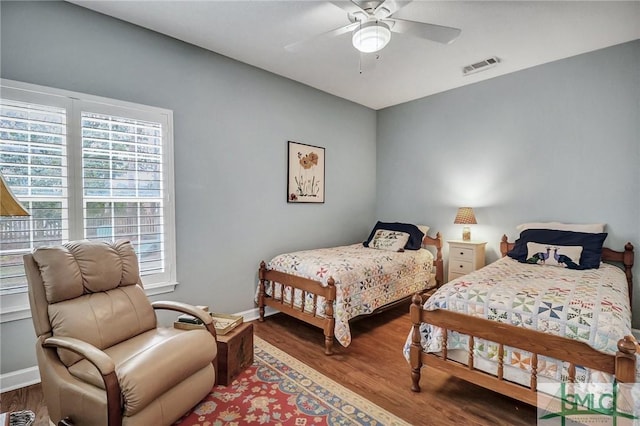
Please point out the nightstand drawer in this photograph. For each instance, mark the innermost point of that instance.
(461, 253)
(460, 266)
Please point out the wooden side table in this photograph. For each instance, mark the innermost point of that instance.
(465, 257)
(235, 353)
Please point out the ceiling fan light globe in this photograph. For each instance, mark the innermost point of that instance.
(371, 36)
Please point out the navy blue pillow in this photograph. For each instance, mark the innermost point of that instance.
(591, 244)
(415, 234)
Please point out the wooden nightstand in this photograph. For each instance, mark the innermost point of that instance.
(465, 257)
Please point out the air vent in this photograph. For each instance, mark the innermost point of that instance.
(480, 66)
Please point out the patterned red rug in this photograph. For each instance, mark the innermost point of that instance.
(280, 390)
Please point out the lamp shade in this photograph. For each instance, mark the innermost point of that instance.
(371, 36)
(465, 216)
(9, 205)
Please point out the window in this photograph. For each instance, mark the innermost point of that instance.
(84, 167)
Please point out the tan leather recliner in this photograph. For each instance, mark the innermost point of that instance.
(103, 359)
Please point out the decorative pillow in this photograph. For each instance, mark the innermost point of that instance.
(593, 228)
(389, 240)
(415, 234)
(591, 244)
(545, 254)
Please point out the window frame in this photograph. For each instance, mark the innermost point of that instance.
(14, 304)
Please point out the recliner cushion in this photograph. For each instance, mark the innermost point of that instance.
(60, 273)
(151, 363)
(81, 267)
(102, 319)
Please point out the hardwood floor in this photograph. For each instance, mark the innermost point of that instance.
(27, 398)
(374, 367)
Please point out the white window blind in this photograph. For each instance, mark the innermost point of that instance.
(122, 184)
(33, 156)
(85, 168)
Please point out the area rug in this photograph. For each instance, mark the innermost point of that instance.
(280, 390)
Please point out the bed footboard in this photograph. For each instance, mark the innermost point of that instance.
(621, 365)
(271, 292)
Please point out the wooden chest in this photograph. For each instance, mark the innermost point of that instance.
(235, 353)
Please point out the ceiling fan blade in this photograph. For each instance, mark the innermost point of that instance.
(437, 33)
(389, 7)
(294, 47)
(348, 6)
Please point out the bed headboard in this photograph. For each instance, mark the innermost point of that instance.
(437, 243)
(624, 257)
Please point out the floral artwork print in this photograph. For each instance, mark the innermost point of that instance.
(306, 174)
(305, 186)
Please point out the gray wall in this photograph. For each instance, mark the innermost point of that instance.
(232, 123)
(560, 141)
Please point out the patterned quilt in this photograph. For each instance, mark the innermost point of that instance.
(365, 278)
(589, 305)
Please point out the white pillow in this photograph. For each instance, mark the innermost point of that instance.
(424, 229)
(593, 228)
(549, 254)
(389, 240)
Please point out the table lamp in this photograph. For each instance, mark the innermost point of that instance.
(465, 216)
(9, 205)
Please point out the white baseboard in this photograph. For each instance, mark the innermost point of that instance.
(30, 376)
(254, 314)
(18, 379)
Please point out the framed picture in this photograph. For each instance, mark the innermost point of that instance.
(305, 173)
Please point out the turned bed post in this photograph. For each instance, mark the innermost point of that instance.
(415, 351)
(330, 321)
(505, 245)
(439, 262)
(626, 367)
(261, 291)
(626, 360)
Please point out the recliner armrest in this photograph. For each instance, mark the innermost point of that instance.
(186, 308)
(95, 356)
(103, 363)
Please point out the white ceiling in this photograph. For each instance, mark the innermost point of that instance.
(521, 34)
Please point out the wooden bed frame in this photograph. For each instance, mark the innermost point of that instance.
(270, 279)
(621, 365)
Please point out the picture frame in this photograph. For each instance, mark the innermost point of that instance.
(305, 173)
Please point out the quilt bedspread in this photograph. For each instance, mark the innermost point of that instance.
(365, 278)
(589, 305)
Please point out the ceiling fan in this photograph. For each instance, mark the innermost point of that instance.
(372, 24)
